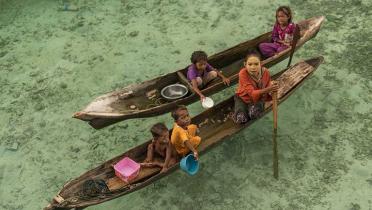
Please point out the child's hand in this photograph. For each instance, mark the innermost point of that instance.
(226, 81)
(196, 155)
(202, 97)
(274, 86)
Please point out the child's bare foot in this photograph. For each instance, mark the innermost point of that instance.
(147, 160)
(164, 170)
(157, 163)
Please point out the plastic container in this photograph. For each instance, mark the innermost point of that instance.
(207, 103)
(127, 169)
(189, 164)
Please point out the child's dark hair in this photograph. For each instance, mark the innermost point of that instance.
(175, 112)
(158, 129)
(286, 10)
(252, 53)
(197, 56)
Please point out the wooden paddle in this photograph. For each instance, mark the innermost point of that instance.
(296, 37)
(275, 146)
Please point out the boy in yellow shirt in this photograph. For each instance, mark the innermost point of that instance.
(184, 138)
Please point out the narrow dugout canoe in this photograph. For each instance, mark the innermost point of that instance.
(143, 100)
(215, 126)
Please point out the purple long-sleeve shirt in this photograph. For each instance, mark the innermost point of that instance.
(280, 34)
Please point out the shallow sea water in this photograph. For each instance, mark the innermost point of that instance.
(53, 63)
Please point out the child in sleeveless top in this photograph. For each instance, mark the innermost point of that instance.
(160, 146)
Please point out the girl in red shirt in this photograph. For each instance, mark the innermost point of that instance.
(253, 90)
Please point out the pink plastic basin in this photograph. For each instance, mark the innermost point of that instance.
(127, 169)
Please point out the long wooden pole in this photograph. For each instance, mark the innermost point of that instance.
(275, 146)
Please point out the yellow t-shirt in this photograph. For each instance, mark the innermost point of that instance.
(180, 135)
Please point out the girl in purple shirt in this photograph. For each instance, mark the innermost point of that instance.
(199, 73)
(282, 33)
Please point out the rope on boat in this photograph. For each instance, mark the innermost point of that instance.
(156, 102)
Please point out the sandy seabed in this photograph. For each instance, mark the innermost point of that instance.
(53, 63)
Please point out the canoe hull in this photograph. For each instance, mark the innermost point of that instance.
(108, 109)
(214, 125)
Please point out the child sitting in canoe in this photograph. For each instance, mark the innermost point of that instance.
(200, 72)
(253, 89)
(184, 138)
(282, 33)
(160, 146)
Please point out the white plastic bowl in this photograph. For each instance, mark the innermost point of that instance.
(207, 103)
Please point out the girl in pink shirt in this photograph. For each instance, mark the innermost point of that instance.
(282, 34)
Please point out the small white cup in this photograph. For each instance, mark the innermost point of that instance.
(207, 103)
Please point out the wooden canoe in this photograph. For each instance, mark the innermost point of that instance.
(215, 126)
(144, 100)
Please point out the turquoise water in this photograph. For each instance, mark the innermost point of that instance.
(53, 63)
